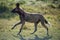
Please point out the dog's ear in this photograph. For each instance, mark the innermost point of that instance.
(17, 4)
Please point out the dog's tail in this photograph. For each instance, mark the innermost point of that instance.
(48, 23)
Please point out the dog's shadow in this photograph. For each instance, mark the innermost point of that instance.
(35, 38)
(44, 38)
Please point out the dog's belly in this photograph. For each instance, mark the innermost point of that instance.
(30, 21)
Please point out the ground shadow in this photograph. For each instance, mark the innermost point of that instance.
(44, 38)
(35, 38)
(19, 36)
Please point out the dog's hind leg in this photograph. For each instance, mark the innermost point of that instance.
(42, 22)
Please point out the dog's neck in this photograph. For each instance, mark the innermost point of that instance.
(21, 12)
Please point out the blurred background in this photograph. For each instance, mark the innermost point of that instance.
(50, 10)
